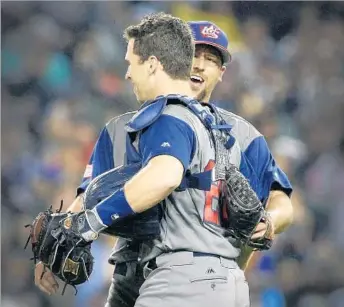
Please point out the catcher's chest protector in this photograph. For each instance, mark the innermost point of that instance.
(218, 129)
(145, 226)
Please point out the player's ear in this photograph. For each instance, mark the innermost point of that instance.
(153, 64)
(223, 69)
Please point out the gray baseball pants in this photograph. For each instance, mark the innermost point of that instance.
(182, 279)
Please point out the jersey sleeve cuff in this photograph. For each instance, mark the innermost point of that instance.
(277, 186)
(112, 208)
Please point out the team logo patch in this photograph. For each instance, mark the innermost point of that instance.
(210, 31)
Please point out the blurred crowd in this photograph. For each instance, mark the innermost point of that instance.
(63, 78)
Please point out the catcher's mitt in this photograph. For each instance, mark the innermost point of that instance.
(244, 211)
(55, 244)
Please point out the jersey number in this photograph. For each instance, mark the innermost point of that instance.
(211, 213)
(211, 206)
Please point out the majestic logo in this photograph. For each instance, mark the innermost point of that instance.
(210, 31)
(165, 144)
(210, 271)
(115, 216)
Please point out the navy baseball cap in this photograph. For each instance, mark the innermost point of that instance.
(208, 33)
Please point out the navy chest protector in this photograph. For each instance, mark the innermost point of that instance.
(145, 225)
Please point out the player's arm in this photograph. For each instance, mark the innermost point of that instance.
(162, 175)
(280, 209)
(100, 161)
(76, 205)
(273, 186)
(245, 260)
(166, 148)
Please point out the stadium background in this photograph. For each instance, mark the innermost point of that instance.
(63, 78)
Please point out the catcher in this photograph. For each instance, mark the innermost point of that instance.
(211, 241)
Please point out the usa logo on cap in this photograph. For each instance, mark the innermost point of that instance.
(211, 32)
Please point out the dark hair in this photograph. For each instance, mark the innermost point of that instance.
(168, 38)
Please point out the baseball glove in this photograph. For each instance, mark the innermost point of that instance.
(57, 244)
(244, 211)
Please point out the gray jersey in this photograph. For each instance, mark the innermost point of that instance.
(191, 218)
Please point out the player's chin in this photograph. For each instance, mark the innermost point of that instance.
(197, 88)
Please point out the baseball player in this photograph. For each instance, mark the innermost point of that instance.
(209, 65)
(250, 153)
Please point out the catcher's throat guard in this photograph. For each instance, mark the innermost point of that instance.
(141, 226)
(145, 225)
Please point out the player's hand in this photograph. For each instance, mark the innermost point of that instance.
(45, 280)
(261, 230)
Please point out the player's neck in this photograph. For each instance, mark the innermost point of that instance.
(206, 99)
(171, 86)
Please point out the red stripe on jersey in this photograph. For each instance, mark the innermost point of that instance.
(211, 215)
